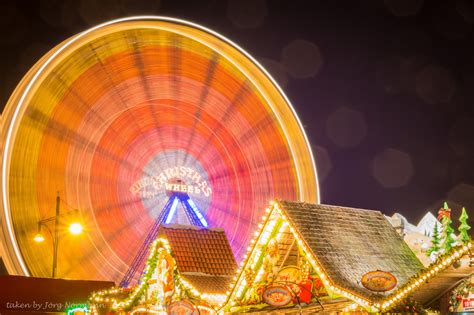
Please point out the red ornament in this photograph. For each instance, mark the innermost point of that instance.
(305, 291)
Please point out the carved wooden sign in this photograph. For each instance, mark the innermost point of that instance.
(379, 281)
(277, 296)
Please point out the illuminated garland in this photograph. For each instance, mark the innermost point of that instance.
(239, 283)
(158, 246)
(261, 238)
(102, 296)
(331, 287)
(442, 263)
(83, 309)
(461, 291)
(274, 223)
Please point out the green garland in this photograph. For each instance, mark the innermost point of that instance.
(150, 267)
(459, 293)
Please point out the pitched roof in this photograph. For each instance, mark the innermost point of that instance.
(203, 256)
(208, 284)
(350, 242)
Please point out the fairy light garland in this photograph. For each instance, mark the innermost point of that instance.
(158, 246)
(81, 309)
(261, 237)
(239, 282)
(335, 290)
(274, 224)
(330, 286)
(137, 292)
(442, 263)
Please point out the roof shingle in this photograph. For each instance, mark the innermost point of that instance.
(208, 284)
(200, 250)
(350, 242)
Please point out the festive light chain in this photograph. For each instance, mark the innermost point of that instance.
(330, 286)
(351, 308)
(261, 236)
(137, 292)
(98, 297)
(239, 282)
(82, 309)
(254, 253)
(442, 263)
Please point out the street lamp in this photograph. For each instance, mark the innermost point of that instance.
(75, 228)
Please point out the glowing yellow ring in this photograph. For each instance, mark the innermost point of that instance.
(280, 105)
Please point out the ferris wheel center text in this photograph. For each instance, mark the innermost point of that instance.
(172, 179)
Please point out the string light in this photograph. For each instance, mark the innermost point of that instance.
(273, 225)
(82, 309)
(158, 247)
(442, 263)
(371, 306)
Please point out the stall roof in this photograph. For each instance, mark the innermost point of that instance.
(444, 281)
(350, 242)
(203, 256)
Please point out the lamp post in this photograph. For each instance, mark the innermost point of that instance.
(75, 228)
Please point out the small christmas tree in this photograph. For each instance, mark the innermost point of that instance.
(447, 234)
(464, 227)
(434, 241)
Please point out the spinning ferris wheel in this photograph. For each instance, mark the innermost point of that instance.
(124, 116)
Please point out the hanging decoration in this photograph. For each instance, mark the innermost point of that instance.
(379, 281)
(159, 288)
(247, 290)
(462, 297)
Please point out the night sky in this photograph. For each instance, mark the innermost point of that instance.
(385, 89)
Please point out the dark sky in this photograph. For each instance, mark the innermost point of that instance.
(385, 89)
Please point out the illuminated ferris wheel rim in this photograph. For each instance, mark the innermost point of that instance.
(40, 67)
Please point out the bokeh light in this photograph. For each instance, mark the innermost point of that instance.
(276, 70)
(435, 84)
(466, 9)
(450, 22)
(462, 194)
(247, 13)
(392, 168)
(323, 162)
(60, 13)
(461, 136)
(302, 59)
(346, 127)
(13, 24)
(94, 12)
(140, 6)
(403, 7)
(397, 74)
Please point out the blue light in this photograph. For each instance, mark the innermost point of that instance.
(197, 212)
(172, 210)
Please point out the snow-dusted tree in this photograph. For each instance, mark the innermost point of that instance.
(434, 241)
(464, 227)
(447, 234)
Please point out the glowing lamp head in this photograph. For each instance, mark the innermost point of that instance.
(75, 228)
(39, 238)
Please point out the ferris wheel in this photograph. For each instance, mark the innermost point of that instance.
(124, 117)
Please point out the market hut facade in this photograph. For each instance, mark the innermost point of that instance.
(304, 258)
